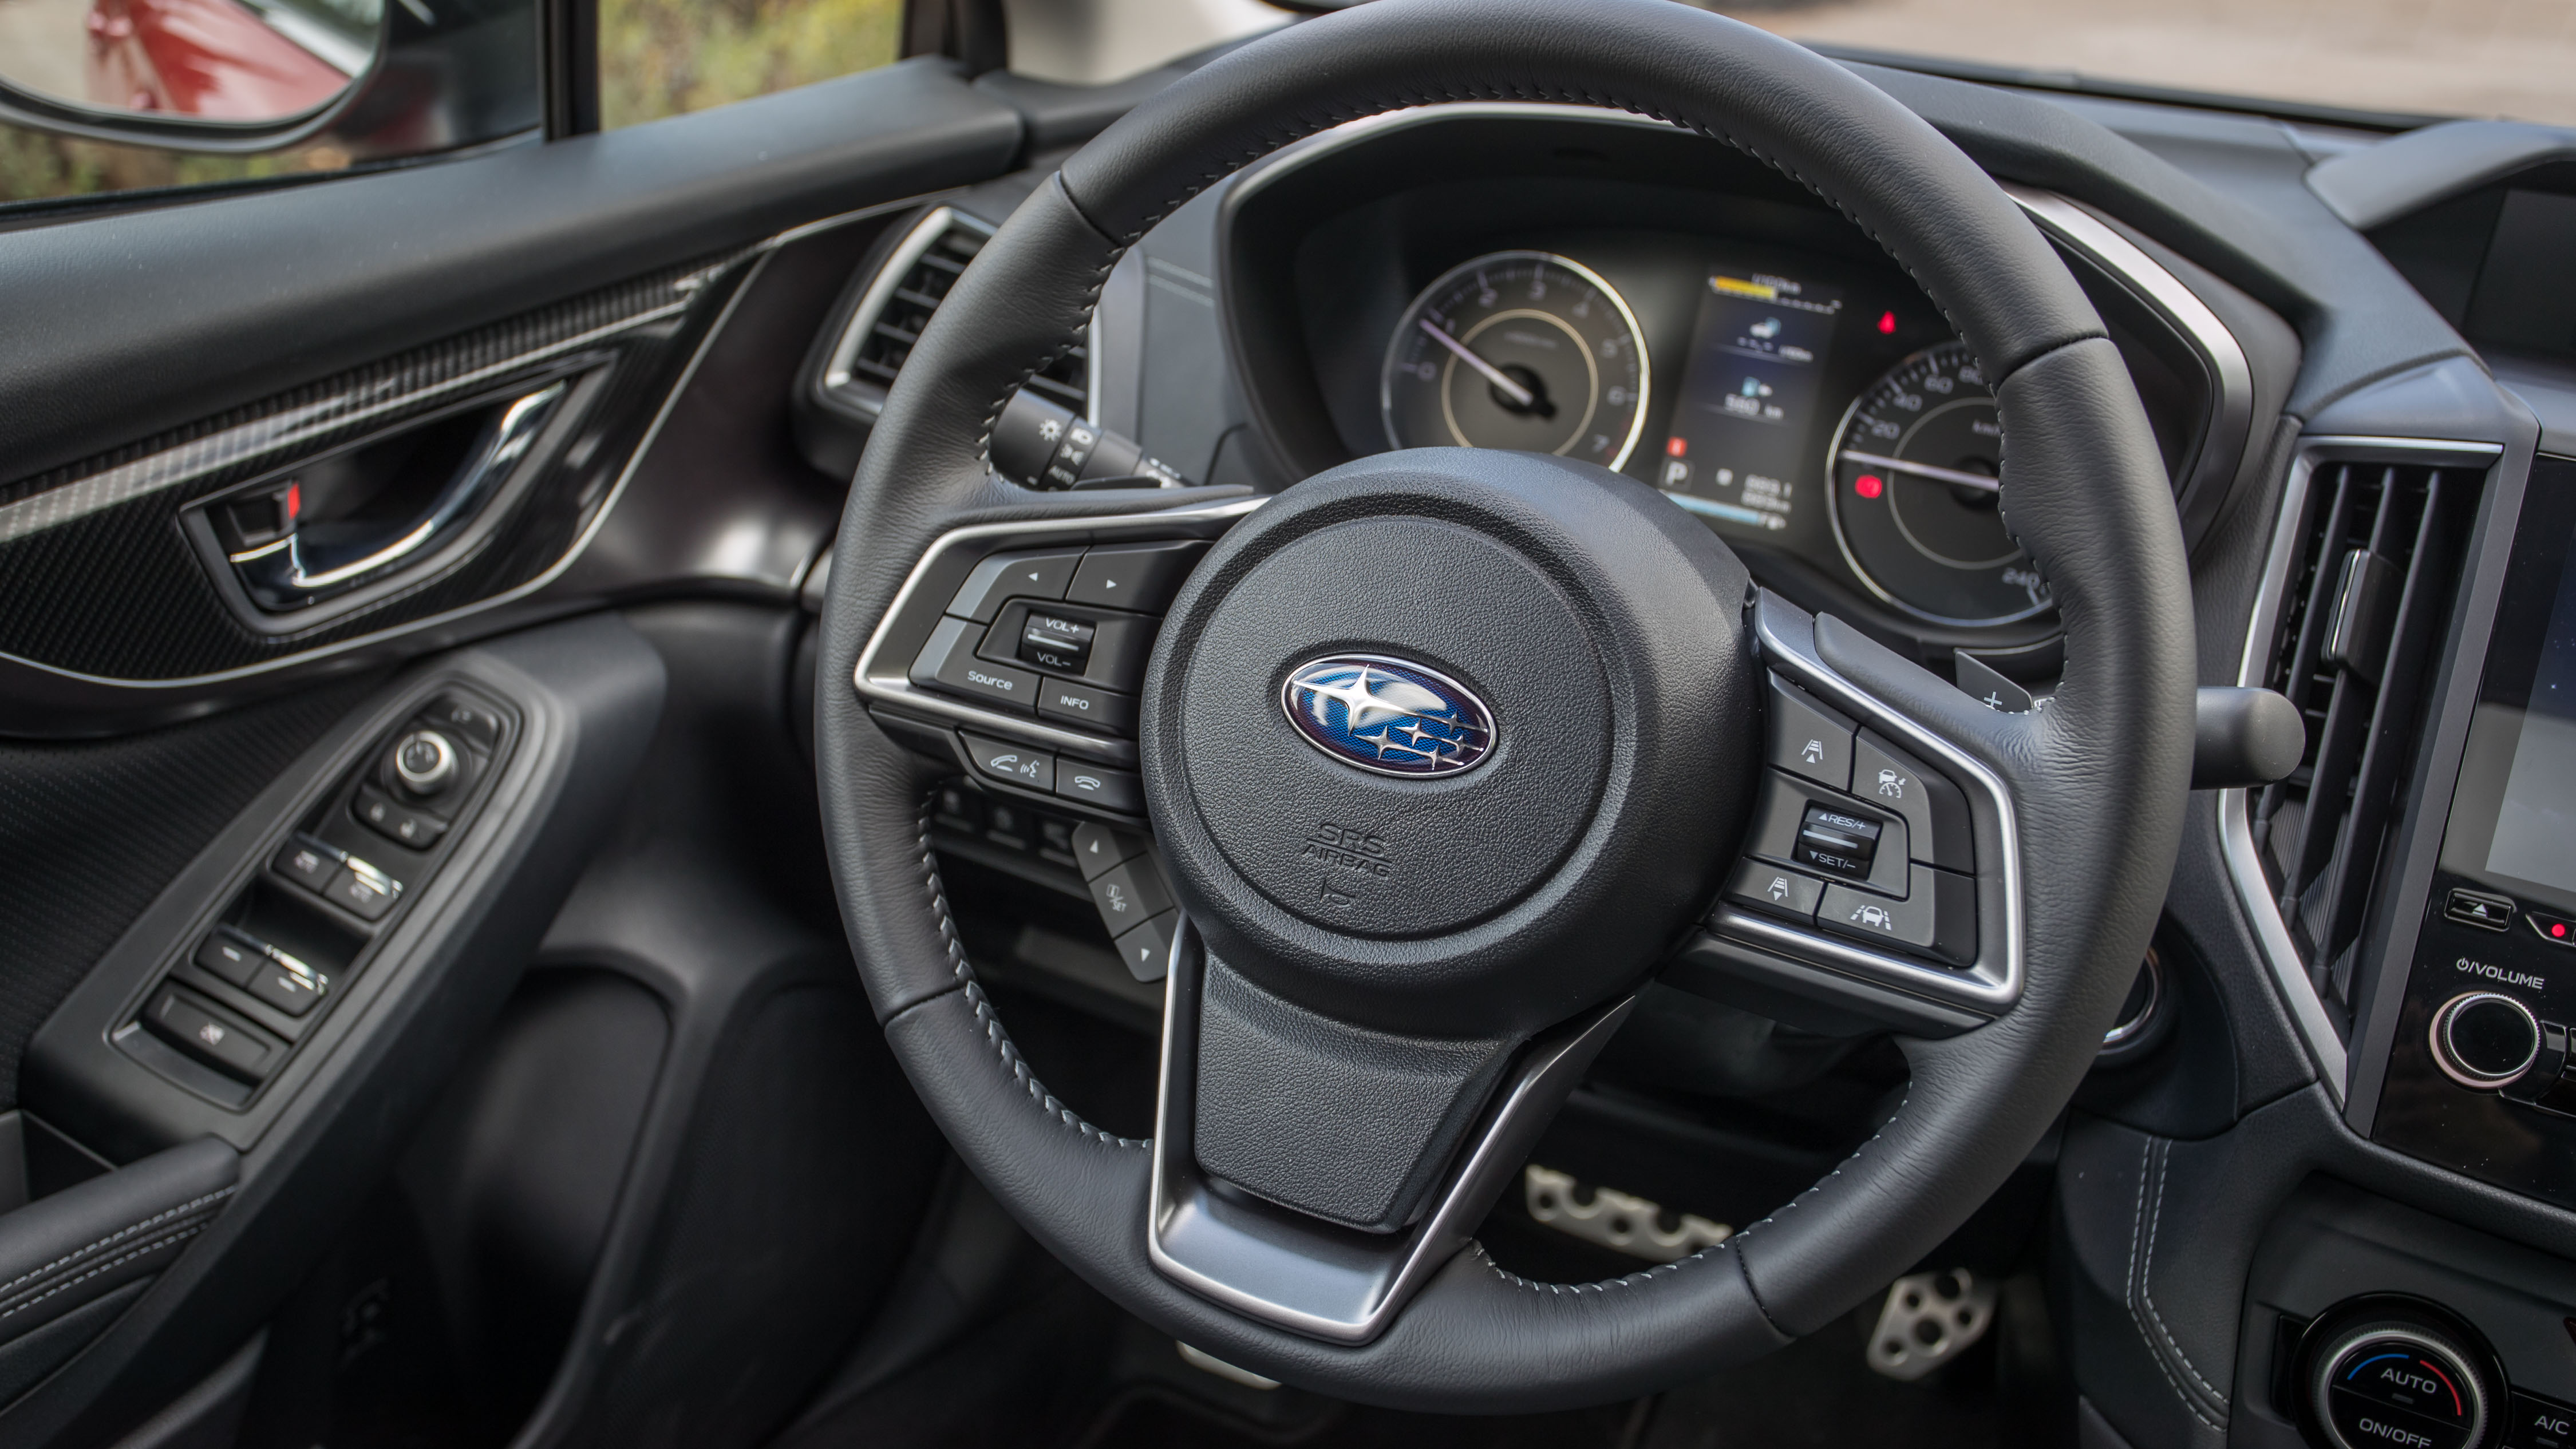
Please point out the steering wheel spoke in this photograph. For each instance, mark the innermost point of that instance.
(1881, 881)
(1300, 1272)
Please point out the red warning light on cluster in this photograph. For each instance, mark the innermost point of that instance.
(1868, 486)
(1886, 324)
(1676, 446)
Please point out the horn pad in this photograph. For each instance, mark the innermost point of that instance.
(1452, 741)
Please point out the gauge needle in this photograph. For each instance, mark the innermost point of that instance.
(1960, 476)
(1520, 396)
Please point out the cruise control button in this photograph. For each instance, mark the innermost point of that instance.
(1041, 575)
(1108, 789)
(1022, 766)
(394, 820)
(1772, 889)
(289, 990)
(1147, 949)
(363, 890)
(209, 1035)
(1139, 576)
(307, 862)
(1809, 739)
(1938, 916)
(1098, 847)
(1129, 894)
(948, 662)
(231, 957)
(1074, 702)
(1936, 813)
(1780, 816)
(1837, 842)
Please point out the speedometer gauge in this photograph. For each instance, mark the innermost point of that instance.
(1522, 350)
(1914, 468)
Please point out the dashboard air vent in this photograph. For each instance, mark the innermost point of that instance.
(2360, 617)
(898, 304)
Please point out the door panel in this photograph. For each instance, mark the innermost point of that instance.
(181, 723)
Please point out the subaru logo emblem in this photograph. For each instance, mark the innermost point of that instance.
(1387, 716)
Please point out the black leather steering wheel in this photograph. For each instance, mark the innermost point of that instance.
(1353, 1070)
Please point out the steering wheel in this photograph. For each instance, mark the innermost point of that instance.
(1361, 1046)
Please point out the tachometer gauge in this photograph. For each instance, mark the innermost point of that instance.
(1915, 499)
(1521, 350)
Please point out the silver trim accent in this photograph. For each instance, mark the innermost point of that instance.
(2437, 1036)
(924, 235)
(2124, 1032)
(2162, 290)
(1301, 1273)
(2235, 818)
(1988, 988)
(889, 681)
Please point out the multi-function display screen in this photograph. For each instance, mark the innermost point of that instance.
(1743, 433)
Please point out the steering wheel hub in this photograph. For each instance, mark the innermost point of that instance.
(1409, 727)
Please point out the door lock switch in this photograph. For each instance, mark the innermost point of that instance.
(1837, 843)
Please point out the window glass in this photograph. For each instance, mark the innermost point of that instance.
(662, 57)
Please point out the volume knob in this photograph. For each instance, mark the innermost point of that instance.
(2483, 1040)
(425, 762)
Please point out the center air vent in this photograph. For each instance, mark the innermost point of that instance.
(2360, 615)
(897, 305)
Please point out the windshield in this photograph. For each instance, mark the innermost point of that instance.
(2485, 58)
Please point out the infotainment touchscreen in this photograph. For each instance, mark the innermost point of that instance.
(2513, 818)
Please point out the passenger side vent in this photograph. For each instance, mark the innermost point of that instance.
(2360, 615)
(898, 304)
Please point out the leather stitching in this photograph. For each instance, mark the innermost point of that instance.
(122, 1233)
(1827, 1180)
(2147, 1280)
(145, 1251)
(1000, 1039)
(1577, 1290)
(2141, 1256)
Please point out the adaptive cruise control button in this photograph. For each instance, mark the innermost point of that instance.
(1013, 576)
(1030, 769)
(1837, 842)
(1807, 738)
(1772, 889)
(1938, 916)
(948, 663)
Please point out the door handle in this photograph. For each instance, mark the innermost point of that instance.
(295, 569)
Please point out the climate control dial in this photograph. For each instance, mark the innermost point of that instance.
(2400, 1383)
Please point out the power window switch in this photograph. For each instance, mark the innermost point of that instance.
(211, 1036)
(1774, 891)
(1128, 895)
(363, 890)
(1147, 949)
(289, 985)
(394, 820)
(232, 957)
(307, 862)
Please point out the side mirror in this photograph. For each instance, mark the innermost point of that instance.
(347, 80)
